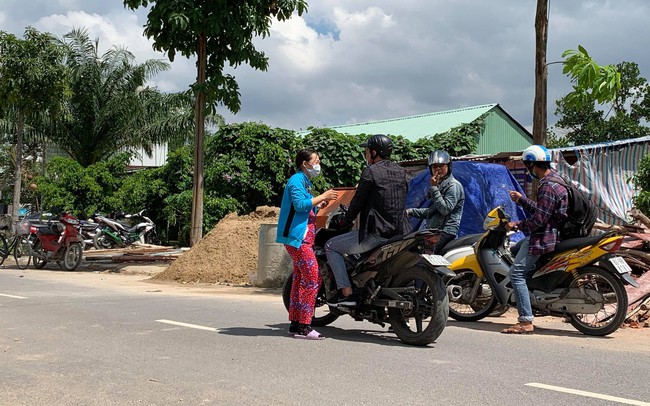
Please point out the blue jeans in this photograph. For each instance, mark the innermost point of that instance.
(347, 243)
(524, 264)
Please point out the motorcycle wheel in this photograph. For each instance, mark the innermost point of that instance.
(72, 257)
(23, 253)
(39, 263)
(608, 319)
(152, 238)
(425, 321)
(322, 312)
(480, 308)
(103, 242)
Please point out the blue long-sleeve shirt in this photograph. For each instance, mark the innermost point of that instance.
(294, 210)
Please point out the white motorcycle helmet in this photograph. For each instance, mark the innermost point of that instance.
(536, 153)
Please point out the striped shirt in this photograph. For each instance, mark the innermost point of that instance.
(547, 212)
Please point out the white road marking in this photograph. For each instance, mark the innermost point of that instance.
(589, 394)
(178, 323)
(13, 296)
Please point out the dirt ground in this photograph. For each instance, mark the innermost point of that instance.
(226, 255)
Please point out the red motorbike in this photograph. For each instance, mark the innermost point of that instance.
(58, 241)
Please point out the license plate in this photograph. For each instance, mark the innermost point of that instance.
(436, 260)
(620, 265)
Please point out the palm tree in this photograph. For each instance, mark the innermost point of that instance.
(111, 109)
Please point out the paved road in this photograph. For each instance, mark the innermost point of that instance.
(98, 339)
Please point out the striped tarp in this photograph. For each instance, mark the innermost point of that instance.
(605, 171)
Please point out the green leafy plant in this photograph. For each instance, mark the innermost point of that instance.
(642, 182)
(341, 156)
(250, 162)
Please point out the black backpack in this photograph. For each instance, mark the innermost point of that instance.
(581, 212)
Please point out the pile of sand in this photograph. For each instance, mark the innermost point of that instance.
(227, 254)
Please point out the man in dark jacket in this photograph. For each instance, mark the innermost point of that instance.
(380, 200)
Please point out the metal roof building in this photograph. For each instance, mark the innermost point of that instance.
(500, 133)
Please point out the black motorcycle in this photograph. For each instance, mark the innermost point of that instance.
(396, 283)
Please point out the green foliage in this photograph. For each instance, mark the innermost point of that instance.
(32, 77)
(591, 81)
(68, 185)
(249, 162)
(247, 165)
(341, 157)
(462, 139)
(226, 27)
(642, 182)
(625, 118)
(111, 109)
(553, 141)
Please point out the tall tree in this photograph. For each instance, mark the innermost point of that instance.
(217, 32)
(111, 109)
(32, 80)
(541, 73)
(586, 120)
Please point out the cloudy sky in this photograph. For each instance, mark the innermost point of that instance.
(356, 61)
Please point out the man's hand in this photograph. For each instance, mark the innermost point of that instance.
(512, 225)
(435, 179)
(514, 196)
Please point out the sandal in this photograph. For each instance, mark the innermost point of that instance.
(519, 328)
(309, 334)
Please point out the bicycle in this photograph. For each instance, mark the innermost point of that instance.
(18, 245)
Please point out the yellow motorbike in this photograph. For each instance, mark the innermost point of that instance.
(583, 279)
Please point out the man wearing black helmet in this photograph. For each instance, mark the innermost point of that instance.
(380, 200)
(447, 198)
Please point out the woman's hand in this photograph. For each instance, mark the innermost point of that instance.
(330, 195)
(323, 200)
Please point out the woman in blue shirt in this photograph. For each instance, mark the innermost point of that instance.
(297, 230)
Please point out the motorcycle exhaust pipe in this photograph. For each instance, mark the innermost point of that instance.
(455, 292)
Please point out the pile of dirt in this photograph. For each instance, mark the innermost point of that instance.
(227, 254)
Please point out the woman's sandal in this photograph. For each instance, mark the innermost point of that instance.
(311, 335)
(519, 328)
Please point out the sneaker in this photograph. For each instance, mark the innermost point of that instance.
(340, 300)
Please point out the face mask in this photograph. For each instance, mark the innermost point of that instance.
(531, 172)
(313, 171)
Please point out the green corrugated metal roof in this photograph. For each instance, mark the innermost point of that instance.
(416, 127)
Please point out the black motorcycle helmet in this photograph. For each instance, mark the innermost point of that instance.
(439, 157)
(379, 143)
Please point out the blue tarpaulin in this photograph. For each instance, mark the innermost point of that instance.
(486, 187)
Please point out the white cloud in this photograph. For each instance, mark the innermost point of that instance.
(347, 61)
(122, 29)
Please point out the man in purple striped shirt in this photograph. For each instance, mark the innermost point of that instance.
(541, 229)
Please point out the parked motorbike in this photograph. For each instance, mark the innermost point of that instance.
(396, 283)
(89, 229)
(460, 310)
(113, 233)
(582, 280)
(57, 240)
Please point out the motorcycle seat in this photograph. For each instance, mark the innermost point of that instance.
(570, 244)
(460, 242)
(45, 229)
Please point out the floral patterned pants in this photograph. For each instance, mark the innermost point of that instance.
(306, 282)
